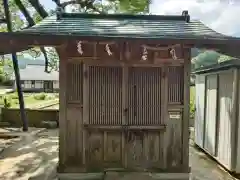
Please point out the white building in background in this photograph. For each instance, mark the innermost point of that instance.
(35, 79)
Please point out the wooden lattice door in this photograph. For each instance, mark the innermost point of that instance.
(103, 120)
(144, 112)
(123, 117)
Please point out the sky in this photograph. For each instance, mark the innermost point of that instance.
(220, 15)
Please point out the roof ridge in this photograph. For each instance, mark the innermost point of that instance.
(183, 17)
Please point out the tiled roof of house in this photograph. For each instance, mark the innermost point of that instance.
(218, 67)
(36, 72)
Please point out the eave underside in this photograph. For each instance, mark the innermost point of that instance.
(16, 42)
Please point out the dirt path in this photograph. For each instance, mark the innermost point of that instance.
(35, 158)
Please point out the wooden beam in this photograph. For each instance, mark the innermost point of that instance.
(227, 46)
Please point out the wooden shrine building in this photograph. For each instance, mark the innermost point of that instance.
(124, 88)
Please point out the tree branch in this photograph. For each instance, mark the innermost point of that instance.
(2, 21)
(25, 12)
(39, 8)
(32, 23)
(83, 3)
(46, 58)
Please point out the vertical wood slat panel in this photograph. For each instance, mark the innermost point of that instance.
(175, 84)
(144, 89)
(74, 82)
(174, 142)
(105, 95)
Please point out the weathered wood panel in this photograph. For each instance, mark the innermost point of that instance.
(105, 95)
(144, 150)
(174, 140)
(175, 85)
(113, 149)
(95, 151)
(104, 150)
(123, 51)
(74, 136)
(211, 114)
(144, 96)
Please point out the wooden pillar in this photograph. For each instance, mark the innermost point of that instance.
(62, 107)
(85, 113)
(186, 102)
(125, 111)
(164, 114)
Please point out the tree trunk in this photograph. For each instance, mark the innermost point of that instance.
(16, 70)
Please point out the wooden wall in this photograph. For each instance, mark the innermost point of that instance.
(123, 117)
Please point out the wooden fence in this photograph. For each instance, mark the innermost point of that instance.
(35, 117)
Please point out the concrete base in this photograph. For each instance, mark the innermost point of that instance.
(123, 176)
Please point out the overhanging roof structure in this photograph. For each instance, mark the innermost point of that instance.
(56, 30)
(233, 63)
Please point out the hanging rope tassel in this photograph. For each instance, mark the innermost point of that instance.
(79, 47)
(107, 47)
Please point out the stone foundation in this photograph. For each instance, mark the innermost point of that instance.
(123, 176)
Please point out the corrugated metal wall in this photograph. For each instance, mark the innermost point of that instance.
(225, 117)
(214, 115)
(199, 114)
(211, 114)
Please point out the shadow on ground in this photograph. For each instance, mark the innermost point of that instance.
(34, 157)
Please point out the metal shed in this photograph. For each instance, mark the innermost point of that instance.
(217, 113)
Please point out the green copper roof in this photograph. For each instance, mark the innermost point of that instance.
(133, 26)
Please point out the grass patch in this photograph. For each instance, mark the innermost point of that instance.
(30, 99)
(192, 101)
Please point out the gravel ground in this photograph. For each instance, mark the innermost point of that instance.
(35, 157)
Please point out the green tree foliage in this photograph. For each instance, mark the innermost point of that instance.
(205, 58)
(134, 6)
(37, 13)
(223, 58)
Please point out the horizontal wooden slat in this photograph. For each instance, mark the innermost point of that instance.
(106, 127)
